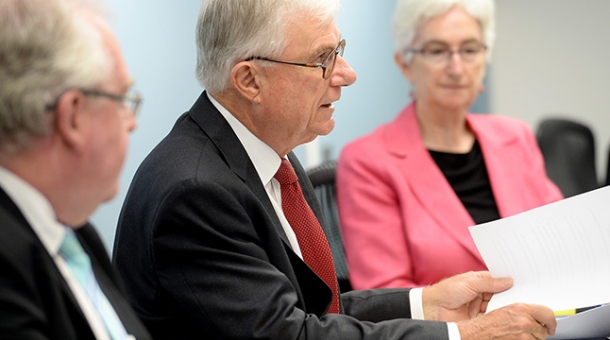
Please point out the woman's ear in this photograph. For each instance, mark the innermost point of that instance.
(405, 69)
(69, 117)
(247, 80)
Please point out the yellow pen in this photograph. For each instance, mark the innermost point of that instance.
(569, 312)
(566, 312)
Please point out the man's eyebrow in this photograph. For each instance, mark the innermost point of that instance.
(327, 48)
(323, 49)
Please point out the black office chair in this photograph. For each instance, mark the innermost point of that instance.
(568, 148)
(323, 179)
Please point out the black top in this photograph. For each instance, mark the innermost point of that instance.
(468, 177)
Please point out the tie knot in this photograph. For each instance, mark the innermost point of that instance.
(285, 174)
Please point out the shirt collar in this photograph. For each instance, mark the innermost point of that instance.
(36, 209)
(266, 161)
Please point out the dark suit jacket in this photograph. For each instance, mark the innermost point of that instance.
(203, 253)
(35, 300)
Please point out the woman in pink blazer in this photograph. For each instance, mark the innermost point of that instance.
(408, 192)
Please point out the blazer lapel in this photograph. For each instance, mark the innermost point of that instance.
(430, 187)
(500, 165)
(48, 262)
(220, 133)
(109, 281)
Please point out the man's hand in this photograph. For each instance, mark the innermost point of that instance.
(516, 321)
(465, 297)
(461, 297)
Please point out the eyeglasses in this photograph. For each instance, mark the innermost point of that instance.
(438, 54)
(131, 99)
(327, 65)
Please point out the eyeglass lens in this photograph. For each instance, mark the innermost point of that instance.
(332, 59)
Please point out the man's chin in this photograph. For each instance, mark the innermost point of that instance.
(328, 127)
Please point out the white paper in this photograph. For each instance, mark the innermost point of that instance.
(593, 323)
(558, 255)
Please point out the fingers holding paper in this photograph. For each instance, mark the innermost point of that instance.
(462, 297)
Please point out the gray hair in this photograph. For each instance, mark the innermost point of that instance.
(409, 15)
(229, 31)
(46, 48)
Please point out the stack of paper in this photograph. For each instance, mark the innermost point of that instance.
(558, 256)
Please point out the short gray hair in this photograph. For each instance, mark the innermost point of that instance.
(46, 48)
(229, 31)
(409, 15)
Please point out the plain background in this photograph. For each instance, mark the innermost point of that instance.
(550, 58)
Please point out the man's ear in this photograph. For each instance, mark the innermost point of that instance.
(69, 117)
(405, 69)
(247, 80)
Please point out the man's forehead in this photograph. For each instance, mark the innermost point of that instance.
(312, 38)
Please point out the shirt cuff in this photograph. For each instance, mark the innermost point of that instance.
(417, 312)
(454, 332)
(417, 305)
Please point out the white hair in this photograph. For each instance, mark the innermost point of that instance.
(409, 15)
(46, 48)
(229, 31)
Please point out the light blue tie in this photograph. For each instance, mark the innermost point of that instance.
(80, 265)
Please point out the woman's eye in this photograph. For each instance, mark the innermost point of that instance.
(436, 51)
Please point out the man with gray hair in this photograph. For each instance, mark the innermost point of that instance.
(65, 119)
(220, 234)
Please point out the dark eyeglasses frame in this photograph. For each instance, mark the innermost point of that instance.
(327, 66)
(131, 100)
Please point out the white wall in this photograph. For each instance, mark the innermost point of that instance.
(158, 42)
(553, 57)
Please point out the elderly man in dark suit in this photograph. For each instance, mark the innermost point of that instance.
(219, 236)
(65, 119)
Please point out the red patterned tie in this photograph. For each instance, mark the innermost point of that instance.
(312, 240)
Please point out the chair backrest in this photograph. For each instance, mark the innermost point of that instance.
(322, 178)
(568, 148)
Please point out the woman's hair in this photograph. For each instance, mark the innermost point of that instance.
(409, 15)
(45, 49)
(229, 31)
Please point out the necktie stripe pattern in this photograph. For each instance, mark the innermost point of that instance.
(80, 265)
(312, 240)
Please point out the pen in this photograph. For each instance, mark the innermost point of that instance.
(568, 312)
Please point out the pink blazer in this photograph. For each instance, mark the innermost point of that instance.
(402, 223)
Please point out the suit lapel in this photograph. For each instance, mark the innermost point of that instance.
(430, 187)
(109, 280)
(313, 292)
(221, 134)
(48, 263)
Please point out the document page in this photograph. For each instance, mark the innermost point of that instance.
(592, 323)
(558, 255)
